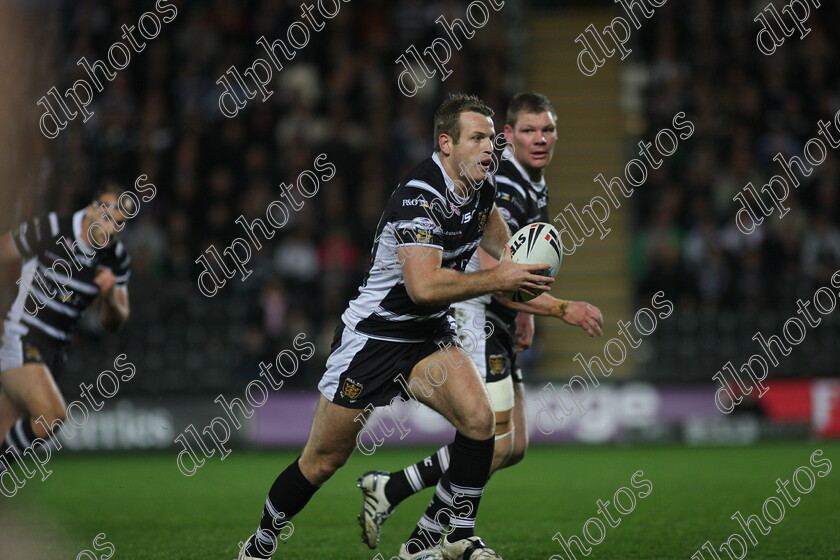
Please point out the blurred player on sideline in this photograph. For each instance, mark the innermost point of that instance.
(489, 326)
(399, 325)
(41, 321)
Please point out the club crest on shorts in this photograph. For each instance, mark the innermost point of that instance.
(496, 363)
(351, 389)
(32, 353)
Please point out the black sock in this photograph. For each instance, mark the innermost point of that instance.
(19, 437)
(287, 497)
(469, 470)
(456, 499)
(435, 520)
(417, 477)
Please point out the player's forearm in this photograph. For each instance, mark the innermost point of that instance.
(495, 235)
(543, 305)
(444, 286)
(114, 313)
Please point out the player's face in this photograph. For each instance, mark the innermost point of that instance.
(109, 220)
(473, 153)
(533, 139)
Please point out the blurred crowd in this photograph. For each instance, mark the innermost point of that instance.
(701, 57)
(160, 117)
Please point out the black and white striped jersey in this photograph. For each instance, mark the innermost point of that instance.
(521, 202)
(422, 213)
(56, 283)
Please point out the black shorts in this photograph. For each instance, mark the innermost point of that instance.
(32, 347)
(363, 370)
(488, 342)
(500, 356)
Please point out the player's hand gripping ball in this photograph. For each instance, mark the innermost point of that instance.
(536, 243)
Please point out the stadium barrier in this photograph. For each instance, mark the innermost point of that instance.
(619, 412)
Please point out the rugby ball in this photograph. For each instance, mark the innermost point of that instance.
(536, 243)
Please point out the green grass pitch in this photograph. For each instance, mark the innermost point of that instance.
(149, 511)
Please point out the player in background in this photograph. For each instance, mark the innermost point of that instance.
(489, 327)
(67, 263)
(399, 325)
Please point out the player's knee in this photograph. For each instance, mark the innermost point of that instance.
(48, 421)
(336, 461)
(326, 464)
(56, 411)
(479, 424)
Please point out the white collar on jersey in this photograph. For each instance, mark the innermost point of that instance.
(77, 232)
(538, 185)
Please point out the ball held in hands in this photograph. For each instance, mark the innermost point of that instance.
(534, 244)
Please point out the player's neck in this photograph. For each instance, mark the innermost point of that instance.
(534, 174)
(459, 183)
(535, 177)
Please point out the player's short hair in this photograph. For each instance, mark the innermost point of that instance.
(528, 102)
(114, 188)
(448, 115)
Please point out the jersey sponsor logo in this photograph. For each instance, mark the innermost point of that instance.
(351, 389)
(419, 201)
(504, 196)
(542, 203)
(496, 363)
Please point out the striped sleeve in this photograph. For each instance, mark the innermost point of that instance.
(122, 266)
(33, 236)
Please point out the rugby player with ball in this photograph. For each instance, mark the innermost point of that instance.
(522, 199)
(399, 324)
